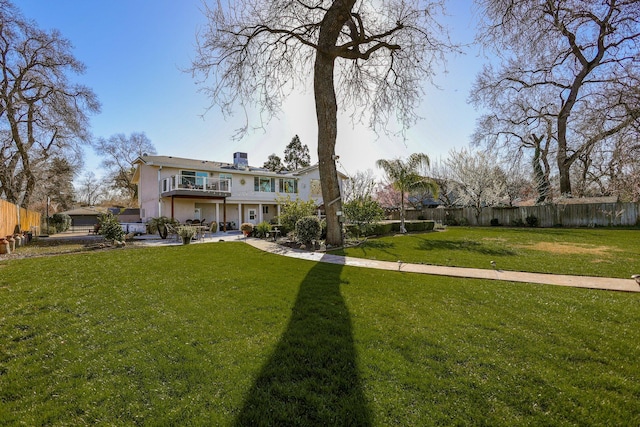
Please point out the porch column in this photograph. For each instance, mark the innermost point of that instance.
(217, 215)
(239, 215)
(278, 210)
(259, 213)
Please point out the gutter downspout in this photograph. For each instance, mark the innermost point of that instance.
(160, 191)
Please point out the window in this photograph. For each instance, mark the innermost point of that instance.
(288, 185)
(188, 179)
(201, 179)
(265, 209)
(316, 188)
(225, 181)
(193, 179)
(264, 185)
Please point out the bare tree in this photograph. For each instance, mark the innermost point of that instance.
(90, 189)
(119, 152)
(574, 61)
(42, 114)
(359, 186)
(376, 54)
(478, 181)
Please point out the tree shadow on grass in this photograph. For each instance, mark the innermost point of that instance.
(311, 378)
(464, 245)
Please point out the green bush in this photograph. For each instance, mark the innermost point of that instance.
(518, 222)
(382, 229)
(60, 221)
(159, 224)
(362, 212)
(495, 222)
(308, 229)
(293, 210)
(261, 230)
(532, 221)
(110, 228)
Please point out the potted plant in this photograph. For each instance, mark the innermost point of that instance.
(246, 228)
(186, 232)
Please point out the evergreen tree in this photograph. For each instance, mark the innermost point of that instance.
(273, 163)
(296, 155)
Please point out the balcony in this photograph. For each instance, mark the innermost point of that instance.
(194, 186)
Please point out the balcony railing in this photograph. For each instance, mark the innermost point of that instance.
(196, 184)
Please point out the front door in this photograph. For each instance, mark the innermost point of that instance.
(252, 216)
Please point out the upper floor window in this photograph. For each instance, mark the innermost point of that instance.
(193, 179)
(288, 185)
(225, 181)
(264, 184)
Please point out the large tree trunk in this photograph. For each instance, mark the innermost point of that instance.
(326, 112)
(563, 160)
(327, 115)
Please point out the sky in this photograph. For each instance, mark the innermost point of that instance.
(136, 52)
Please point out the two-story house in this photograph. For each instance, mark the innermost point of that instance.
(218, 192)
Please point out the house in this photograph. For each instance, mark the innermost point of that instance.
(224, 193)
(85, 216)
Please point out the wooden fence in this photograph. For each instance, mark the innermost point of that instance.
(561, 215)
(12, 215)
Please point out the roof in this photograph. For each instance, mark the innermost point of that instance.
(85, 212)
(213, 166)
(587, 200)
(203, 165)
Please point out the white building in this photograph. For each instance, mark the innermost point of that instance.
(218, 192)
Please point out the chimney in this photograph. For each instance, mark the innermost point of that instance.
(240, 160)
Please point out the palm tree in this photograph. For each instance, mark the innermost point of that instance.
(405, 176)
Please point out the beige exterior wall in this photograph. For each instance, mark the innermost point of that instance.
(244, 200)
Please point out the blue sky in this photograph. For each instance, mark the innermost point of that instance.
(135, 51)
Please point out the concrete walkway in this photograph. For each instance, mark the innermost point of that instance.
(625, 285)
(613, 284)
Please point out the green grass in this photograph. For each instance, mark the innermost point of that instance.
(223, 334)
(585, 252)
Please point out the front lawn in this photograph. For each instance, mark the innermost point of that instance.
(223, 334)
(583, 252)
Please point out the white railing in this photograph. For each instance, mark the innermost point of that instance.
(194, 183)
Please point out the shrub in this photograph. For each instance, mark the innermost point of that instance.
(451, 221)
(60, 221)
(518, 222)
(495, 222)
(363, 212)
(159, 225)
(261, 230)
(110, 228)
(532, 221)
(292, 210)
(308, 229)
(382, 229)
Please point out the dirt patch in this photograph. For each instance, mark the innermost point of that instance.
(570, 249)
